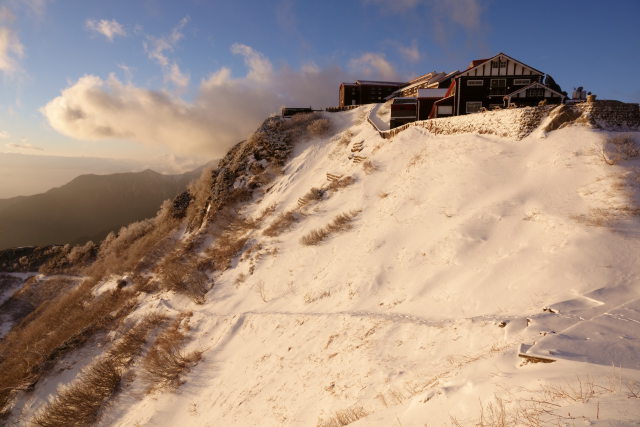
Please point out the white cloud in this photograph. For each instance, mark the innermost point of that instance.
(260, 68)
(109, 29)
(4, 134)
(225, 110)
(373, 66)
(24, 145)
(158, 48)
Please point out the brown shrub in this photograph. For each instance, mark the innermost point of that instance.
(314, 193)
(33, 346)
(619, 148)
(165, 364)
(230, 240)
(182, 275)
(318, 127)
(80, 403)
(341, 183)
(282, 223)
(340, 223)
(369, 167)
(344, 417)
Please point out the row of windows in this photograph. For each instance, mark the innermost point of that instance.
(516, 82)
(475, 106)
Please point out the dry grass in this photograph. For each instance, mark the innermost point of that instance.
(369, 167)
(341, 183)
(226, 247)
(32, 347)
(318, 127)
(344, 417)
(545, 405)
(80, 403)
(181, 274)
(619, 148)
(165, 363)
(345, 137)
(314, 194)
(340, 223)
(284, 222)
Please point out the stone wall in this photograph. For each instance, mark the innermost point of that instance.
(515, 123)
(610, 115)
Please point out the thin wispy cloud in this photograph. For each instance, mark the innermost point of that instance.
(24, 145)
(158, 50)
(445, 16)
(411, 52)
(11, 50)
(394, 6)
(38, 8)
(4, 134)
(109, 29)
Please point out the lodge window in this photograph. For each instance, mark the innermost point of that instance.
(445, 109)
(521, 82)
(498, 87)
(475, 82)
(498, 64)
(473, 106)
(535, 92)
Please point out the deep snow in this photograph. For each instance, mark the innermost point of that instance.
(468, 250)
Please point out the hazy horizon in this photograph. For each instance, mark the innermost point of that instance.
(47, 172)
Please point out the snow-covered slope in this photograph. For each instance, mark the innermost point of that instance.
(464, 252)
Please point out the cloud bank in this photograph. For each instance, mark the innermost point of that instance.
(224, 111)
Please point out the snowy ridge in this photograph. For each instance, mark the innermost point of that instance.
(467, 252)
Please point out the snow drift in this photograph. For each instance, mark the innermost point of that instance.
(465, 262)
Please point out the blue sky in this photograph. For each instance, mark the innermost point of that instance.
(176, 83)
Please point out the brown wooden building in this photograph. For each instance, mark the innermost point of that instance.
(366, 91)
(495, 82)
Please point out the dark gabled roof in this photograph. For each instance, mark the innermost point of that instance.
(477, 62)
(536, 84)
(379, 83)
(445, 77)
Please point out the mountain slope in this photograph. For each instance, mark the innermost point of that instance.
(87, 208)
(428, 279)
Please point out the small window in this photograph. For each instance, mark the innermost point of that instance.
(498, 64)
(473, 106)
(521, 82)
(535, 92)
(445, 109)
(475, 82)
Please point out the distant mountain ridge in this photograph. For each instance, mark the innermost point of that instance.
(86, 208)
